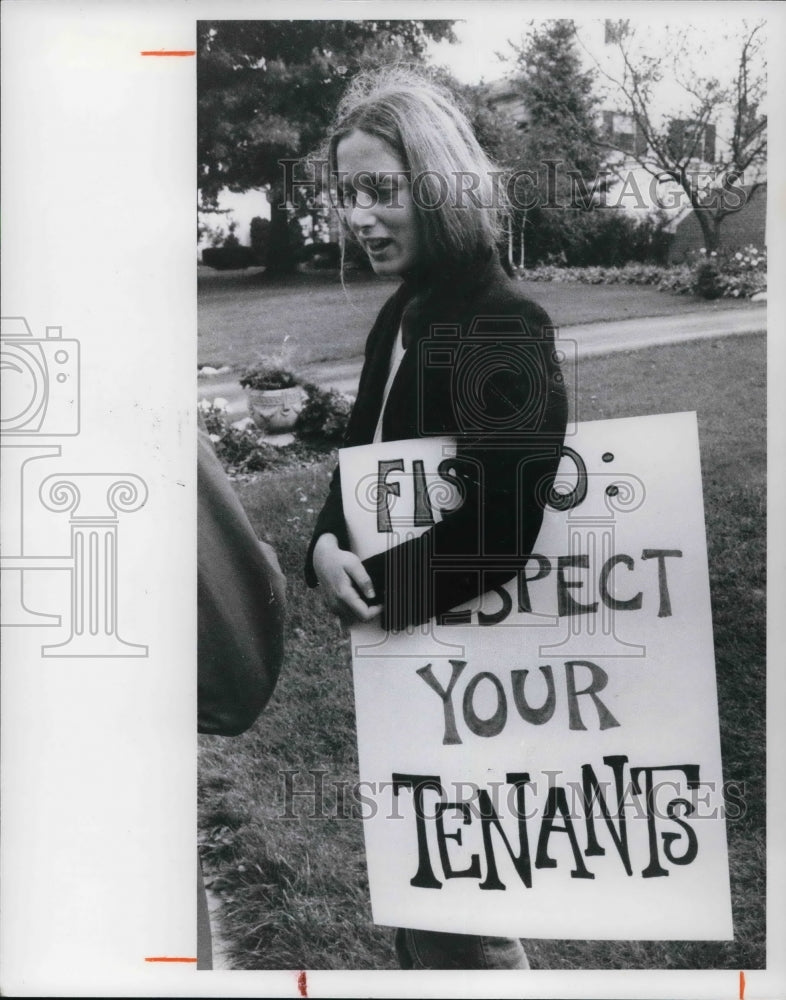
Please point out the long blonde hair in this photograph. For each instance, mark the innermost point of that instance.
(423, 125)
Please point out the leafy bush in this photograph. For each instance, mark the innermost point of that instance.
(266, 376)
(229, 257)
(612, 238)
(605, 237)
(727, 274)
(239, 447)
(677, 278)
(226, 253)
(731, 273)
(244, 453)
(706, 281)
(324, 416)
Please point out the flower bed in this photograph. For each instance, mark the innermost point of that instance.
(734, 273)
(725, 274)
(244, 450)
(239, 446)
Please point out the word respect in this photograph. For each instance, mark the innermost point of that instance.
(569, 582)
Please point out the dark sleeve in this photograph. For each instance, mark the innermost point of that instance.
(330, 521)
(241, 595)
(362, 422)
(505, 474)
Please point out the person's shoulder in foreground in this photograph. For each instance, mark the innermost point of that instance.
(241, 595)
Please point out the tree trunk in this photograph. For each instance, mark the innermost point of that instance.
(521, 245)
(710, 227)
(510, 242)
(283, 245)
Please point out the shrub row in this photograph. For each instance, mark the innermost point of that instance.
(726, 274)
(609, 237)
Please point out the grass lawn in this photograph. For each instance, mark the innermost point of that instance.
(294, 891)
(244, 316)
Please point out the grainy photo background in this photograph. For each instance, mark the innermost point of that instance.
(286, 875)
(98, 764)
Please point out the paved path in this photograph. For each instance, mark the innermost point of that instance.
(631, 334)
(591, 339)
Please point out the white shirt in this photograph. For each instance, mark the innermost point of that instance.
(395, 360)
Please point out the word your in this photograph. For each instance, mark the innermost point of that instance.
(556, 818)
(493, 724)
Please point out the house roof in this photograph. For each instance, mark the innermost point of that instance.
(504, 95)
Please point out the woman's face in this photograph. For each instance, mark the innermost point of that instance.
(377, 202)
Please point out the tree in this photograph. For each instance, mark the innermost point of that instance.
(268, 89)
(559, 145)
(714, 141)
(559, 95)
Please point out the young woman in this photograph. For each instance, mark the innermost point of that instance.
(417, 192)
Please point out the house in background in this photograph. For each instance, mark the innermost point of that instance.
(740, 229)
(637, 191)
(623, 130)
(502, 96)
(743, 227)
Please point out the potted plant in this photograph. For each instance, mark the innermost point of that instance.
(274, 394)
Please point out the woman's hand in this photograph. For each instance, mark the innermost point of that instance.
(343, 580)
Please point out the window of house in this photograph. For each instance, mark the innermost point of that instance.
(692, 140)
(624, 131)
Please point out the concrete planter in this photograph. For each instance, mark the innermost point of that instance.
(276, 410)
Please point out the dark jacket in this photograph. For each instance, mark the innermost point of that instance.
(240, 591)
(480, 365)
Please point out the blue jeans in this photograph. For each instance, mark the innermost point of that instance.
(439, 950)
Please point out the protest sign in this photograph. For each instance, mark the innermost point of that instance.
(545, 761)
